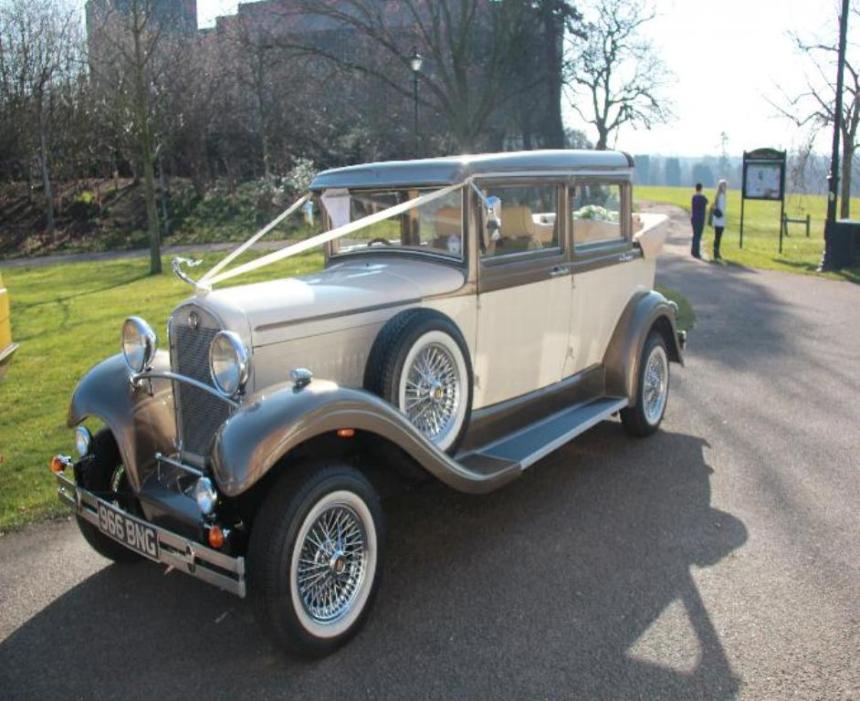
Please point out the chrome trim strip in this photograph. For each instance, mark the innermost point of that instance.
(188, 556)
(160, 457)
(165, 375)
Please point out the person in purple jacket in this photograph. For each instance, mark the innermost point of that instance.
(698, 207)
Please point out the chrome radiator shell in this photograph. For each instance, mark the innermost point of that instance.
(198, 414)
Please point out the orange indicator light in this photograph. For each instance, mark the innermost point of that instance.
(216, 537)
(58, 464)
(346, 432)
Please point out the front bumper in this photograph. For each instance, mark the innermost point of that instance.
(213, 567)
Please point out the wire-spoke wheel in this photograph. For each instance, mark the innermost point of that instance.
(652, 393)
(420, 364)
(334, 563)
(314, 557)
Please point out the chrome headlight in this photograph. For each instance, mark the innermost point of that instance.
(83, 441)
(139, 344)
(205, 495)
(229, 363)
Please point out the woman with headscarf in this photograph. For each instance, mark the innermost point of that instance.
(719, 216)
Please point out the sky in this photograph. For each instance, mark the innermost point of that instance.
(727, 56)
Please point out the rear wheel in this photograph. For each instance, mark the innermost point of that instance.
(105, 476)
(315, 557)
(652, 391)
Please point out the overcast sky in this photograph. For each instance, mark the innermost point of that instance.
(728, 56)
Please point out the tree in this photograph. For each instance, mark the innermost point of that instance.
(125, 45)
(673, 172)
(478, 55)
(703, 173)
(814, 107)
(38, 42)
(642, 169)
(615, 76)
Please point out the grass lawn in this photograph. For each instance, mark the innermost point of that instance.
(67, 318)
(761, 231)
(686, 316)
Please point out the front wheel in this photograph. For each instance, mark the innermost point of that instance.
(105, 476)
(652, 389)
(315, 557)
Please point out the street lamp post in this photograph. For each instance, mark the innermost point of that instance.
(415, 63)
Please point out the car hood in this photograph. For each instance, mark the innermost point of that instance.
(273, 311)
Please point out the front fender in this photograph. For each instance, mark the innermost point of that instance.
(141, 419)
(279, 419)
(621, 361)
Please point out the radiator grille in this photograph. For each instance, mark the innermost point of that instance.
(198, 414)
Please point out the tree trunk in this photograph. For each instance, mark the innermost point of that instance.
(145, 146)
(553, 25)
(845, 180)
(46, 175)
(602, 138)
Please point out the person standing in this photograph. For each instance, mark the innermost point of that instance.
(698, 208)
(719, 213)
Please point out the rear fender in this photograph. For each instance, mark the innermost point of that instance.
(645, 311)
(276, 421)
(141, 418)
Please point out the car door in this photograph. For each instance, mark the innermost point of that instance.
(607, 268)
(524, 291)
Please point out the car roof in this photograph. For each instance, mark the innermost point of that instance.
(455, 169)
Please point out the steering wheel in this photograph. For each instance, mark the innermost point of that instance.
(378, 239)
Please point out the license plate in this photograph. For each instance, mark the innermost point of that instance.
(130, 531)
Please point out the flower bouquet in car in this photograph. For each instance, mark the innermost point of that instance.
(596, 213)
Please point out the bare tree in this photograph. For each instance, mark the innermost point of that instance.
(37, 55)
(125, 46)
(814, 107)
(615, 76)
(469, 47)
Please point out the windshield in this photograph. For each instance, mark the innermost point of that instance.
(436, 227)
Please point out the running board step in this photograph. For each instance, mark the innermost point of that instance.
(527, 446)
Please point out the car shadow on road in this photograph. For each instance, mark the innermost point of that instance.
(579, 580)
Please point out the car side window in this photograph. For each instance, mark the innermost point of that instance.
(596, 211)
(526, 219)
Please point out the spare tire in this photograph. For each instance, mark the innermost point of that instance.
(420, 363)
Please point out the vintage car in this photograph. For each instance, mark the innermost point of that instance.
(7, 348)
(474, 314)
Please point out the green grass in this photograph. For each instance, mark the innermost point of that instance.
(686, 319)
(67, 318)
(761, 231)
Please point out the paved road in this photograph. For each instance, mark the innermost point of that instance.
(717, 559)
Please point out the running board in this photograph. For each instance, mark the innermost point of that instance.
(525, 447)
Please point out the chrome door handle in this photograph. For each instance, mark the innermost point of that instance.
(559, 270)
(625, 257)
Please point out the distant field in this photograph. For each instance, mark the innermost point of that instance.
(761, 230)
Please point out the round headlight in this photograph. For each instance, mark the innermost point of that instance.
(83, 440)
(229, 363)
(205, 495)
(139, 343)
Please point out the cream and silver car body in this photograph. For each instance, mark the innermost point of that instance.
(550, 332)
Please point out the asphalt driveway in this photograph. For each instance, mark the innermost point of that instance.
(716, 559)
